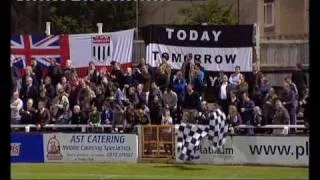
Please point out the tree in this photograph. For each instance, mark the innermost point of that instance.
(70, 17)
(211, 12)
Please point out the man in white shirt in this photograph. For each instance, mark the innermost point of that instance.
(234, 79)
(16, 105)
(223, 95)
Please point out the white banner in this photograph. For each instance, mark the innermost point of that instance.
(59, 147)
(212, 59)
(257, 150)
(101, 48)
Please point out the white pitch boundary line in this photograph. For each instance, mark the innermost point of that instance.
(137, 176)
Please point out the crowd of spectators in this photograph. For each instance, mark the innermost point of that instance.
(146, 95)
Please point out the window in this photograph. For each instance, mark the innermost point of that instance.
(268, 13)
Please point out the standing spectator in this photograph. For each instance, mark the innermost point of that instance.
(142, 96)
(78, 117)
(148, 67)
(180, 87)
(198, 81)
(170, 99)
(43, 116)
(132, 97)
(191, 106)
(234, 100)
(299, 78)
(154, 91)
(100, 98)
(93, 74)
(161, 79)
(16, 105)
(68, 70)
(166, 67)
(146, 80)
(289, 102)
(304, 105)
(44, 98)
(166, 117)
(54, 72)
(186, 67)
(117, 75)
(156, 111)
(28, 73)
(234, 78)
(216, 82)
(50, 89)
(247, 115)
(268, 106)
(65, 85)
(106, 116)
(281, 115)
(36, 69)
(143, 115)
(28, 114)
(29, 91)
(243, 86)
(292, 86)
(224, 94)
(15, 77)
(264, 89)
(129, 79)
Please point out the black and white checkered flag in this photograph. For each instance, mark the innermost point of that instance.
(190, 135)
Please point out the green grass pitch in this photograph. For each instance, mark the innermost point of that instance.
(79, 171)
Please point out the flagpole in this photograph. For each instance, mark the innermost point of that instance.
(48, 24)
(100, 25)
(137, 19)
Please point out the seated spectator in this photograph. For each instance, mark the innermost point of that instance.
(99, 99)
(132, 96)
(58, 106)
(224, 94)
(94, 118)
(28, 114)
(143, 115)
(166, 117)
(117, 75)
(247, 114)
(43, 116)
(142, 96)
(54, 72)
(28, 74)
(257, 116)
(65, 85)
(281, 116)
(68, 70)
(234, 100)
(129, 79)
(16, 106)
(43, 97)
(264, 89)
(78, 116)
(146, 80)
(234, 119)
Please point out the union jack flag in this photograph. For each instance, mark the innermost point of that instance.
(40, 47)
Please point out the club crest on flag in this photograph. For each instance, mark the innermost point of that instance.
(101, 48)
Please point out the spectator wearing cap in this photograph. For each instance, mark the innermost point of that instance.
(15, 106)
(68, 70)
(234, 78)
(54, 72)
(162, 79)
(186, 67)
(36, 69)
(299, 78)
